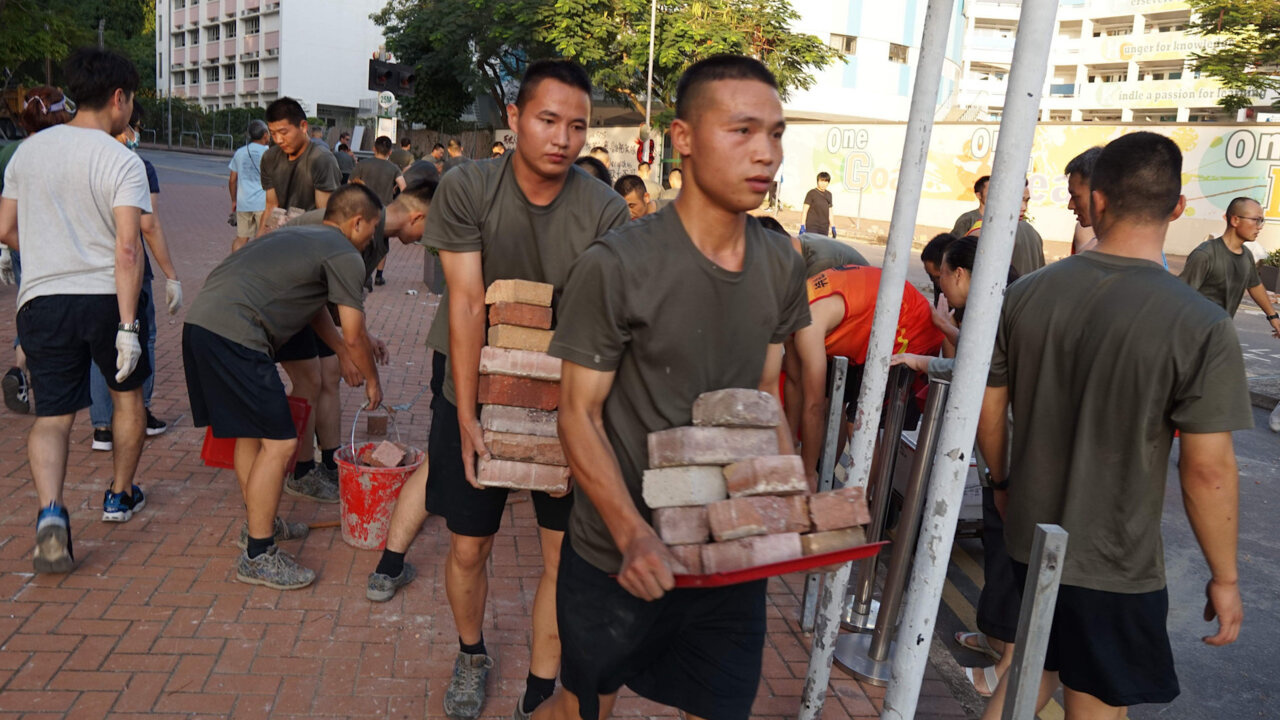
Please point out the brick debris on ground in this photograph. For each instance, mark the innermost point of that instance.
(152, 623)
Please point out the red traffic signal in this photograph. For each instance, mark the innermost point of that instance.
(394, 78)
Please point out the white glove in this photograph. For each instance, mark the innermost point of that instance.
(128, 350)
(6, 267)
(173, 295)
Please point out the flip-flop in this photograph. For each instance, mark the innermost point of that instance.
(979, 644)
(989, 677)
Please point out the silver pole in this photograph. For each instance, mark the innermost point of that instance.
(168, 95)
(837, 376)
(866, 656)
(648, 96)
(973, 358)
(1039, 598)
(906, 204)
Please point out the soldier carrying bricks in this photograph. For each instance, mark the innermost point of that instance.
(695, 298)
(524, 216)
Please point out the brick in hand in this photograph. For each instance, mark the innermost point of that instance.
(737, 407)
(839, 509)
(520, 314)
(518, 392)
(525, 448)
(750, 552)
(522, 475)
(709, 445)
(766, 475)
(518, 420)
(519, 291)
(682, 525)
(683, 486)
(764, 515)
(520, 338)
(689, 557)
(519, 363)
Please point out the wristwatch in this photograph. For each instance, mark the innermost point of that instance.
(1273, 316)
(133, 327)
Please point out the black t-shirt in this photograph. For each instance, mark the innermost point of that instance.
(818, 220)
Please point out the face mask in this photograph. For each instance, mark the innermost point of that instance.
(132, 142)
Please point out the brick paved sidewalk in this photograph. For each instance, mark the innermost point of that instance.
(152, 624)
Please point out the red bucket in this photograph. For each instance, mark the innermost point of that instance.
(368, 494)
(221, 452)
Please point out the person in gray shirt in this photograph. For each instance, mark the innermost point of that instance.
(346, 161)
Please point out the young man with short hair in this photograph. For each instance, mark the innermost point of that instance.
(1103, 356)
(455, 158)
(817, 208)
(969, 218)
(498, 149)
(241, 317)
(1222, 268)
(645, 171)
(346, 161)
(317, 138)
(819, 253)
(379, 173)
(1078, 172)
(401, 157)
(702, 269)
(526, 215)
(632, 189)
(602, 155)
(1028, 246)
(672, 191)
(248, 199)
(72, 204)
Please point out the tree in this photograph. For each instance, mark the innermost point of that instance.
(37, 35)
(1248, 50)
(610, 38)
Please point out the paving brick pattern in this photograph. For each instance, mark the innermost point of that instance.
(151, 624)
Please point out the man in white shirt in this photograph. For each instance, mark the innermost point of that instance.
(73, 201)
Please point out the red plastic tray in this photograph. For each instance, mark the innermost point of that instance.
(780, 568)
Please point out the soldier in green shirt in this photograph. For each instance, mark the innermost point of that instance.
(1222, 268)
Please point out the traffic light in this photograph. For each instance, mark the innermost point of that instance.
(391, 77)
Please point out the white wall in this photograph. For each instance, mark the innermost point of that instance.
(325, 49)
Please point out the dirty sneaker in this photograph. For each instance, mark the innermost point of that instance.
(53, 540)
(465, 696)
(383, 587)
(15, 391)
(284, 531)
(120, 507)
(314, 485)
(275, 569)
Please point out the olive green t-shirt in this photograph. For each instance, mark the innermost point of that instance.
(378, 175)
(401, 158)
(822, 253)
(266, 292)
(373, 254)
(1028, 249)
(645, 303)
(965, 222)
(296, 181)
(1221, 275)
(479, 207)
(1105, 357)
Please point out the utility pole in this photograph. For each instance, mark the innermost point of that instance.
(102, 24)
(648, 96)
(168, 95)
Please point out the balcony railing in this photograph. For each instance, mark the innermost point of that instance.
(229, 48)
(251, 85)
(211, 9)
(270, 84)
(229, 87)
(179, 55)
(271, 40)
(252, 43)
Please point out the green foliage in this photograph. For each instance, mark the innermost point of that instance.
(192, 117)
(610, 38)
(1272, 259)
(33, 30)
(1246, 61)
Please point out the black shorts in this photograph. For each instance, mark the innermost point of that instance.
(62, 335)
(1001, 600)
(1113, 646)
(234, 389)
(466, 510)
(303, 346)
(696, 649)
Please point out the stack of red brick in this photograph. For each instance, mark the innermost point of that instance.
(520, 391)
(722, 479)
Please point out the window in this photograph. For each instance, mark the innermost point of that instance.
(193, 37)
(159, 65)
(179, 4)
(193, 77)
(897, 53)
(159, 28)
(213, 33)
(228, 72)
(251, 26)
(211, 74)
(229, 29)
(251, 69)
(1175, 75)
(179, 40)
(846, 44)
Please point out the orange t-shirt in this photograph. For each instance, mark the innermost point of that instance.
(858, 287)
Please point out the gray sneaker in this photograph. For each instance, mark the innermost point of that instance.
(465, 696)
(314, 485)
(284, 531)
(383, 587)
(519, 713)
(275, 569)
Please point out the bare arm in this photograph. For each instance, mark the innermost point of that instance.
(647, 565)
(322, 199)
(1210, 493)
(153, 234)
(356, 340)
(1259, 295)
(464, 275)
(993, 438)
(9, 222)
(813, 393)
(231, 187)
(769, 379)
(804, 212)
(400, 183)
(271, 204)
(128, 261)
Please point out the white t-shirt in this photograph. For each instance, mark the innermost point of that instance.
(67, 180)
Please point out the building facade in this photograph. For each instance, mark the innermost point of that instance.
(228, 53)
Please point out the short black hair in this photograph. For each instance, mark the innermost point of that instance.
(1083, 163)
(628, 184)
(771, 223)
(382, 145)
(566, 71)
(316, 131)
(419, 195)
(1140, 174)
(935, 249)
(135, 119)
(961, 254)
(824, 175)
(1236, 206)
(981, 184)
(286, 108)
(343, 147)
(595, 168)
(455, 144)
(713, 69)
(437, 146)
(94, 75)
(405, 141)
(351, 200)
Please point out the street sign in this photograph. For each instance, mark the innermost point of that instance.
(386, 99)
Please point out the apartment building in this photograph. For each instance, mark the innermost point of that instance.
(228, 53)
(1110, 61)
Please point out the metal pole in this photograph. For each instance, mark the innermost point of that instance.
(860, 615)
(169, 93)
(837, 376)
(648, 96)
(866, 656)
(906, 204)
(973, 359)
(1039, 598)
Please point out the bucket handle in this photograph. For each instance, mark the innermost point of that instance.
(356, 421)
